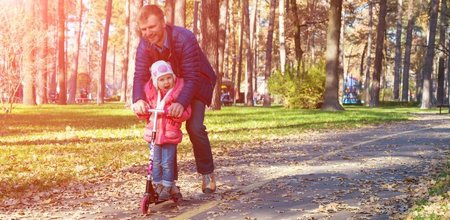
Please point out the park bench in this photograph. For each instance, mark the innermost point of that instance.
(440, 106)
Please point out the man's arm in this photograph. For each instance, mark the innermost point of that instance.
(190, 68)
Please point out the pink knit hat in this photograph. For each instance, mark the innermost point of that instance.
(160, 68)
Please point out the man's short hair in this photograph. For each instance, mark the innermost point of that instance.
(148, 10)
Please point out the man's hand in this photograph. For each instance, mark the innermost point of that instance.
(176, 110)
(140, 107)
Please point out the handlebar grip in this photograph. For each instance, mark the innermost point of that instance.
(158, 111)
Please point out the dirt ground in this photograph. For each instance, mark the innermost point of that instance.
(373, 172)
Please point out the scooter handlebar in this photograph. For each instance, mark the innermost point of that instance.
(157, 111)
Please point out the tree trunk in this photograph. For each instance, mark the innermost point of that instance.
(101, 81)
(52, 84)
(73, 76)
(331, 100)
(170, 11)
(210, 41)
(249, 72)
(180, 11)
(408, 45)
(361, 62)
(195, 23)
(297, 34)
(62, 93)
(222, 33)
(241, 47)
(381, 28)
(268, 64)
(398, 51)
(125, 61)
(253, 42)
(234, 50)
(135, 5)
(282, 37)
(28, 61)
(448, 76)
(228, 55)
(441, 69)
(428, 64)
(369, 56)
(41, 90)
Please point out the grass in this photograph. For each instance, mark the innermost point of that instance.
(436, 204)
(52, 146)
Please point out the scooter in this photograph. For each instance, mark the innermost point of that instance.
(150, 195)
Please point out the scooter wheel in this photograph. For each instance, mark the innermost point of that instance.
(145, 203)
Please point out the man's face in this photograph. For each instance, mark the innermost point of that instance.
(152, 29)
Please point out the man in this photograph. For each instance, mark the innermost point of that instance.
(178, 46)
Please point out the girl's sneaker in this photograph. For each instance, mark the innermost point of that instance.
(158, 188)
(165, 193)
(175, 192)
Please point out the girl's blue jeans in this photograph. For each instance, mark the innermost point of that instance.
(164, 162)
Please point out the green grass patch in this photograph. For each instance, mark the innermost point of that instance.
(49, 146)
(436, 204)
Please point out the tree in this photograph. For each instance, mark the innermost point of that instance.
(180, 11)
(29, 97)
(170, 11)
(240, 56)
(428, 64)
(254, 29)
(369, 55)
(62, 98)
(101, 82)
(331, 99)
(74, 73)
(195, 22)
(134, 41)
(408, 45)
(297, 35)
(222, 33)
(269, 42)
(13, 24)
(440, 95)
(125, 61)
(210, 41)
(282, 36)
(249, 73)
(448, 75)
(398, 50)
(41, 82)
(381, 28)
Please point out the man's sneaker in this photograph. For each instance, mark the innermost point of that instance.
(209, 183)
(175, 192)
(165, 193)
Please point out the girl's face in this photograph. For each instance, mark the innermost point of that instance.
(166, 82)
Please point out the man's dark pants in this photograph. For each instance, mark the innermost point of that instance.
(199, 138)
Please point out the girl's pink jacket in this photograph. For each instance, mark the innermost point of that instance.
(168, 129)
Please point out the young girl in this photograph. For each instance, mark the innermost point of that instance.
(161, 91)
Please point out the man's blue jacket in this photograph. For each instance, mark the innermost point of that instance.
(188, 61)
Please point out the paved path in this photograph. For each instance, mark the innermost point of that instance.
(361, 174)
(368, 173)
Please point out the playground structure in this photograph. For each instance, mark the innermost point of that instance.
(352, 89)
